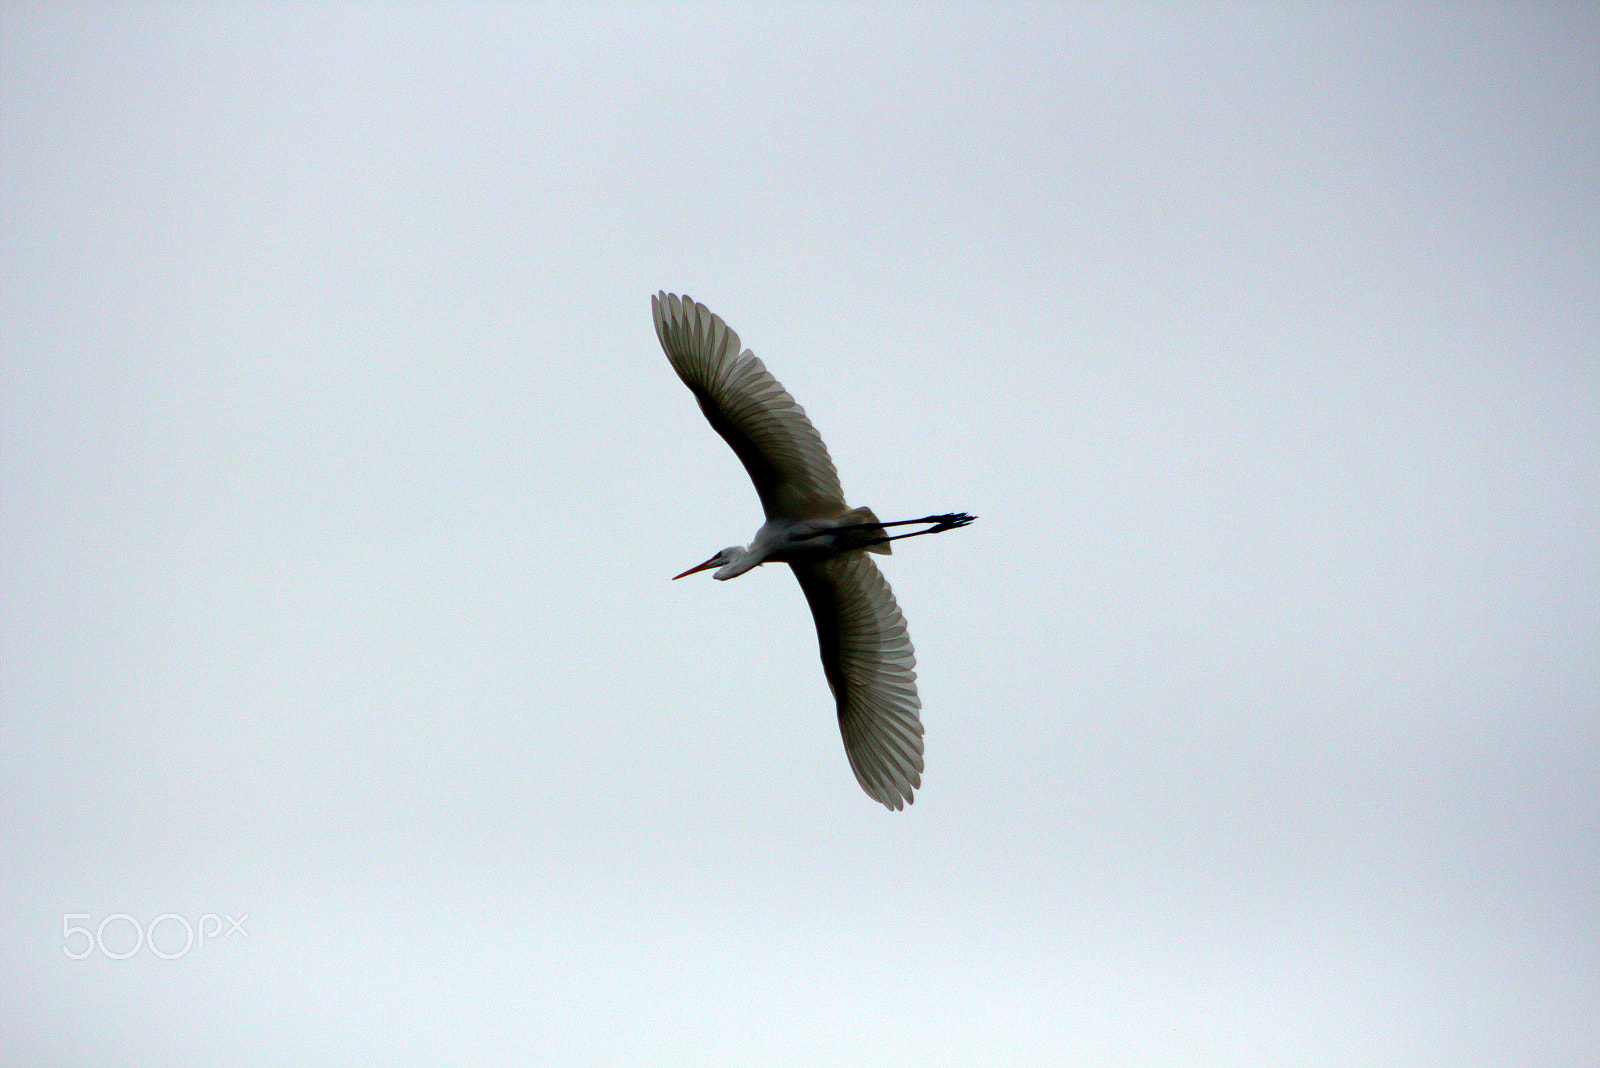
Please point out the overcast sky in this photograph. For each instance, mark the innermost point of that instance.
(343, 477)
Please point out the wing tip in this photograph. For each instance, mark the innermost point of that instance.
(892, 794)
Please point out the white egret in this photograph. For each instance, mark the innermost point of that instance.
(866, 652)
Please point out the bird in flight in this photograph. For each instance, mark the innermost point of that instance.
(866, 652)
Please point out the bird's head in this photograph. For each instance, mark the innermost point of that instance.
(723, 560)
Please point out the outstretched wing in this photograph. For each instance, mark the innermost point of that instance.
(866, 654)
(769, 432)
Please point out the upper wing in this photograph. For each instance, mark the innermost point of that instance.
(768, 431)
(866, 654)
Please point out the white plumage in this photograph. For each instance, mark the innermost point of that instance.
(866, 651)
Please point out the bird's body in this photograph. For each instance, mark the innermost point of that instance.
(866, 652)
(785, 540)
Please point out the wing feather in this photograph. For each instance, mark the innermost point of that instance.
(769, 432)
(867, 657)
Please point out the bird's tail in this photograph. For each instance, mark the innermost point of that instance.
(872, 537)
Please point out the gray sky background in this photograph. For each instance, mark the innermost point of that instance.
(343, 476)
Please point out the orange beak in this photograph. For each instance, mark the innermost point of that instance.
(697, 567)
